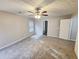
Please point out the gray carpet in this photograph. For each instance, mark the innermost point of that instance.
(42, 48)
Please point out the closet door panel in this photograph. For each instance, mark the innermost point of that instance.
(65, 29)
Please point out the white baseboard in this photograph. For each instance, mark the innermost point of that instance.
(18, 40)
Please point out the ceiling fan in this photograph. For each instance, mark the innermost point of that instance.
(38, 13)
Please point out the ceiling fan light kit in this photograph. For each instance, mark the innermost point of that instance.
(37, 16)
(38, 13)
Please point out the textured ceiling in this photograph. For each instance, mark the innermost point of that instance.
(54, 7)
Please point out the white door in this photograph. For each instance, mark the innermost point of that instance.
(65, 28)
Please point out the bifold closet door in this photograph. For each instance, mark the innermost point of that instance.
(65, 27)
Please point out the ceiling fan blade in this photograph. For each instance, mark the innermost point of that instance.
(44, 12)
(30, 11)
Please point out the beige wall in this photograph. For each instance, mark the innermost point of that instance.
(12, 28)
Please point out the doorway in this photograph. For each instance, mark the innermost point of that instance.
(45, 26)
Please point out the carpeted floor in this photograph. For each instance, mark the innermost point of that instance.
(42, 48)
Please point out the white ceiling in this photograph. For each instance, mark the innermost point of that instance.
(54, 7)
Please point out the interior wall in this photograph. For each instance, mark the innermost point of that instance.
(12, 28)
(74, 27)
(38, 27)
(53, 26)
(31, 22)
